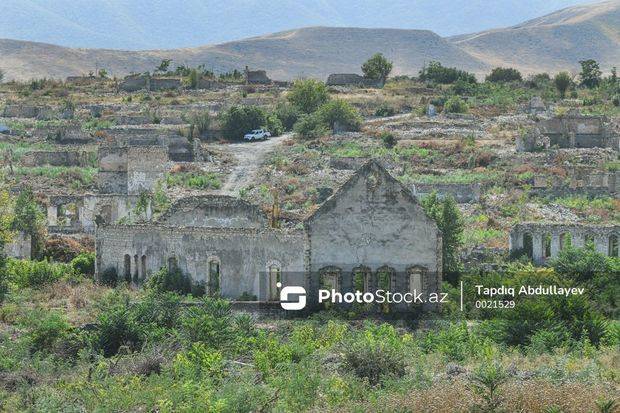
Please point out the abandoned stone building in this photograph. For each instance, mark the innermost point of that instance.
(543, 241)
(371, 229)
(571, 130)
(256, 77)
(350, 79)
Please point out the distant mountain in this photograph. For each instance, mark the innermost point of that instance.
(552, 42)
(308, 52)
(168, 24)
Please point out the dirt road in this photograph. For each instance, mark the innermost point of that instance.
(249, 157)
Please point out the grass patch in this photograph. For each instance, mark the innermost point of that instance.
(194, 180)
(452, 177)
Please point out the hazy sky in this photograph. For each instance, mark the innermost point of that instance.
(151, 24)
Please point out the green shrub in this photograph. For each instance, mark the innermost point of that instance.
(84, 264)
(310, 127)
(287, 114)
(373, 359)
(117, 326)
(46, 329)
(36, 274)
(109, 277)
(340, 114)
(274, 125)
(307, 95)
(194, 180)
(385, 110)
(504, 74)
(455, 105)
(437, 73)
(210, 322)
(173, 280)
(388, 139)
(239, 120)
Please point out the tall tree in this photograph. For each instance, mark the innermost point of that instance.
(590, 73)
(377, 68)
(449, 220)
(29, 219)
(562, 81)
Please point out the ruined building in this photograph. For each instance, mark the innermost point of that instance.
(371, 229)
(571, 130)
(543, 241)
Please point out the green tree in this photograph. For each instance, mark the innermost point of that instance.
(308, 95)
(163, 66)
(103, 74)
(504, 74)
(6, 234)
(590, 73)
(377, 68)
(29, 219)
(562, 82)
(450, 221)
(239, 120)
(339, 114)
(438, 73)
(310, 127)
(455, 105)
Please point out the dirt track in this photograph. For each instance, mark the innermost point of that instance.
(249, 157)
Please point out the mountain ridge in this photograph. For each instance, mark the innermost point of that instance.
(554, 42)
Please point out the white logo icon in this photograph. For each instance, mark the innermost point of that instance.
(300, 304)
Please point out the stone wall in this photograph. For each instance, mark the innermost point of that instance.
(543, 241)
(29, 111)
(350, 79)
(145, 166)
(19, 247)
(143, 82)
(59, 158)
(462, 193)
(571, 130)
(590, 183)
(243, 254)
(214, 211)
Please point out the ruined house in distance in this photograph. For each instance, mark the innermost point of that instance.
(256, 77)
(351, 79)
(370, 233)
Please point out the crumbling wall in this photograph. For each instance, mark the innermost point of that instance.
(164, 83)
(214, 211)
(462, 193)
(134, 83)
(19, 247)
(145, 166)
(546, 240)
(243, 255)
(58, 158)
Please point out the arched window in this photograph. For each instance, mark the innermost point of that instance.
(385, 278)
(172, 264)
(136, 268)
(528, 244)
(127, 268)
(274, 274)
(143, 267)
(546, 245)
(214, 276)
(330, 278)
(566, 240)
(361, 279)
(613, 246)
(416, 279)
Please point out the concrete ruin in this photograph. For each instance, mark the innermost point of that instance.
(350, 79)
(256, 77)
(372, 228)
(571, 130)
(462, 193)
(134, 83)
(20, 246)
(589, 183)
(77, 158)
(543, 241)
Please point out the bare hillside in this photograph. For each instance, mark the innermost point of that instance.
(553, 42)
(313, 52)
